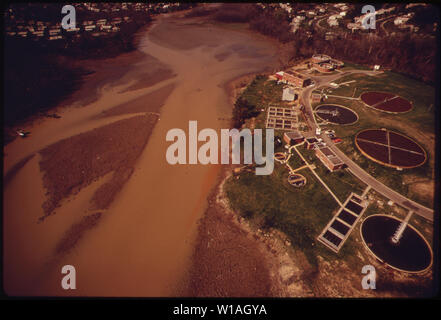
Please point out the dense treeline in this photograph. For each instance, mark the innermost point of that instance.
(242, 110)
(245, 108)
(405, 52)
(34, 80)
(402, 53)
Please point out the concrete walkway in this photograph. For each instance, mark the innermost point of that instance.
(316, 175)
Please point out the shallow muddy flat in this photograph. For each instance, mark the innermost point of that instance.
(145, 233)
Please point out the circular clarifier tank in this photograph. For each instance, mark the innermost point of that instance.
(411, 254)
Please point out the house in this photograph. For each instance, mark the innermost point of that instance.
(90, 28)
(53, 32)
(55, 37)
(329, 159)
(400, 20)
(353, 26)
(332, 21)
(293, 137)
(329, 36)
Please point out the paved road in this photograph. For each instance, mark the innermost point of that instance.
(397, 198)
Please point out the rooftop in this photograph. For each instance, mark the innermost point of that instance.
(296, 74)
(294, 135)
(331, 155)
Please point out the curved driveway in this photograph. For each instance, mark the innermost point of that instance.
(397, 198)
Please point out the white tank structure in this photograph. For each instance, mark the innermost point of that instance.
(319, 58)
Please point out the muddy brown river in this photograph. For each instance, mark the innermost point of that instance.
(142, 245)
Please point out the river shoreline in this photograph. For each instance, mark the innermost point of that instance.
(223, 268)
(115, 217)
(233, 259)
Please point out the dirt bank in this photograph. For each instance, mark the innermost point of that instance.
(232, 260)
(138, 68)
(150, 102)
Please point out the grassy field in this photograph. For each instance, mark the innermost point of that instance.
(302, 213)
(422, 96)
(270, 202)
(341, 182)
(417, 124)
(262, 93)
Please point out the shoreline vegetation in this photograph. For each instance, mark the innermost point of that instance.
(409, 55)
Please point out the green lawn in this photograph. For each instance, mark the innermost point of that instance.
(417, 124)
(302, 213)
(420, 94)
(389, 176)
(270, 202)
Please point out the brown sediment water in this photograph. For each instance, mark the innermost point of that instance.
(142, 244)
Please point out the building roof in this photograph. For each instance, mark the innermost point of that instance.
(330, 155)
(296, 74)
(294, 135)
(288, 94)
